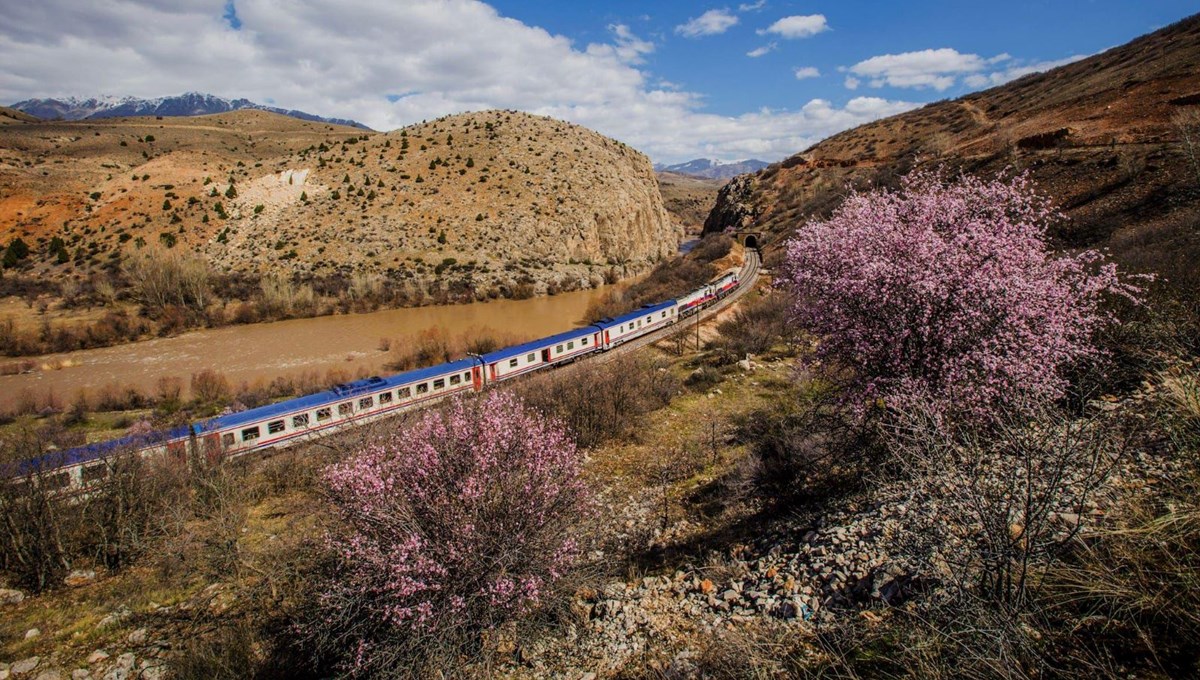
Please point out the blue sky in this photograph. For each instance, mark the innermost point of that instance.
(677, 80)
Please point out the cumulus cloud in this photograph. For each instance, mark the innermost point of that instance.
(798, 26)
(760, 51)
(943, 68)
(712, 22)
(389, 65)
(937, 69)
(805, 72)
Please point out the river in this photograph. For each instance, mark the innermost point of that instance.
(347, 342)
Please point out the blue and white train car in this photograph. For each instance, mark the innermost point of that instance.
(287, 422)
(76, 467)
(628, 326)
(564, 347)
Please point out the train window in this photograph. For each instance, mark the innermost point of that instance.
(439, 384)
(324, 414)
(404, 392)
(467, 376)
(275, 426)
(300, 420)
(583, 342)
(422, 388)
(455, 379)
(345, 408)
(93, 472)
(59, 480)
(571, 345)
(664, 314)
(532, 356)
(227, 439)
(385, 398)
(512, 363)
(366, 402)
(639, 321)
(558, 350)
(250, 433)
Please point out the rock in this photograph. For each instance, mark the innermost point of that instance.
(97, 656)
(10, 596)
(154, 672)
(81, 674)
(32, 633)
(49, 675)
(138, 636)
(126, 660)
(80, 577)
(730, 595)
(25, 665)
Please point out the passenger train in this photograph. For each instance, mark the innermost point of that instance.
(294, 420)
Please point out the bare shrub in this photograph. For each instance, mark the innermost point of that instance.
(210, 387)
(1010, 497)
(756, 327)
(279, 296)
(1187, 125)
(160, 279)
(632, 385)
(36, 525)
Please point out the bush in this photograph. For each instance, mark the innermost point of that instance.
(947, 289)
(458, 523)
(755, 328)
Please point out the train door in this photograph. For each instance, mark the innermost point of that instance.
(177, 450)
(607, 340)
(477, 377)
(546, 355)
(212, 446)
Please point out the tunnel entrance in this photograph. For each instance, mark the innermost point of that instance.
(750, 241)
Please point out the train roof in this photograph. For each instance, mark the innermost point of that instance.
(648, 309)
(331, 396)
(89, 452)
(517, 350)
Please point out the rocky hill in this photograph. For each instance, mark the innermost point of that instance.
(479, 202)
(8, 116)
(1112, 138)
(689, 199)
(186, 104)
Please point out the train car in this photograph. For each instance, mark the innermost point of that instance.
(286, 422)
(694, 301)
(726, 283)
(72, 469)
(629, 326)
(530, 356)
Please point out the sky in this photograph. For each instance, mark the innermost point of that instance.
(678, 80)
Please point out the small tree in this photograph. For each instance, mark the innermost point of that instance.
(456, 524)
(947, 289)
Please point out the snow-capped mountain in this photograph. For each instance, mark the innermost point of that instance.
(711, 169)
(186, 104)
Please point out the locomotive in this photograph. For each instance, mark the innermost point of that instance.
(351, 404)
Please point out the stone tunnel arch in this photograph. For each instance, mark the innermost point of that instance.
(750, 240)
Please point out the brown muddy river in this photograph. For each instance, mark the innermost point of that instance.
(287, 348)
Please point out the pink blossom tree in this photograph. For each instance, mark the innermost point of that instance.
(455, 524)
(947, 290)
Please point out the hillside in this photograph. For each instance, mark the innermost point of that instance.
(688, 198)
(1101, 136)
(186, 104)
(476, 202)
(9, 116)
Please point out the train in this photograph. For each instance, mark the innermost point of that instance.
(347, 405)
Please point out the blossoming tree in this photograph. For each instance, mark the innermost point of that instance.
(454, 525)
(947, 289)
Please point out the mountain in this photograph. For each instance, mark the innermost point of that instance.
(187, 104)
(467, 206)
(1103, 137)
(711, 169)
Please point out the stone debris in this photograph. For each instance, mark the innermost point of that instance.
(10, 596)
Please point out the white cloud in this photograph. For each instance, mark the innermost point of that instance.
(760, 51)
(1012, 73)
(943, 68)
(752, 6)
(805, 72)
(342, 59)
(798, 26)
(937, 69)
(712, 22)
